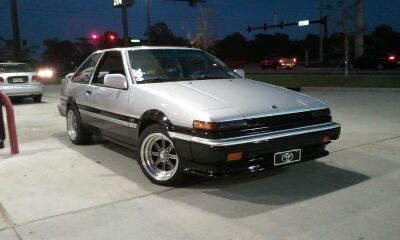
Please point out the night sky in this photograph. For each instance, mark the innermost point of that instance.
(69, 19)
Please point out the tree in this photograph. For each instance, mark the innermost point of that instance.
(7, 51)
(234, 46)
(162, 35)
(205, 37)
(66, 55)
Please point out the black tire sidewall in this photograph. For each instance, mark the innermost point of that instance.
(37, 98)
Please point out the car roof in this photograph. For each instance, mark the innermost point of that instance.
(145, 47)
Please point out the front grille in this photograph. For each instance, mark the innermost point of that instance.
(287, 121)
(265, 124)
(17, 80)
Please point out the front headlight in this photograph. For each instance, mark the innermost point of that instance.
(219, 126)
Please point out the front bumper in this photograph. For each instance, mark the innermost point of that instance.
(209, 156)
(23, 89)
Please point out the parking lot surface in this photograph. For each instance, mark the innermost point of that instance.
(55, 190)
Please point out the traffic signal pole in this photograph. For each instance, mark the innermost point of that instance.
(323, 30)
(15, 27)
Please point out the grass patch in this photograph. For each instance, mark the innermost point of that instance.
(297, 81)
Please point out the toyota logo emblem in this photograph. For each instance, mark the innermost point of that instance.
(287, 157)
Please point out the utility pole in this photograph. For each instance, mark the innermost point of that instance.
(148, 23)
(321, 32)
(125, 25)
(15, 26)
(359, 38)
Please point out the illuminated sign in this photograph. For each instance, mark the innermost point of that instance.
(123, 3)
(304, 23)
(135, 40)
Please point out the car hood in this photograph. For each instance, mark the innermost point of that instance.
(251, 98)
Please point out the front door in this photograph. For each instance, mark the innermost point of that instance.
(108, 107)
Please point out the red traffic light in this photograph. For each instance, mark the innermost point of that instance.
(94, 36)
(110, 36)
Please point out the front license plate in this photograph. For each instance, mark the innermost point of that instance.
(281, 158)
(18, 80)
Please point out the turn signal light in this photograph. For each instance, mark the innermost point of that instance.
(235, 156)
(1, 79)
(202, 125)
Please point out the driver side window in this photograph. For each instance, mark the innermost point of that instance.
(83, 74)
(111, 63)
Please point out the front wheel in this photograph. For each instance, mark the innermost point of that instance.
(159, 159)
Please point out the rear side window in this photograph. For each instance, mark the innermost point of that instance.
(85, 71)
(15, 68)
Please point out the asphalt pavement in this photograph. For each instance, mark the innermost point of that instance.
(55, 190)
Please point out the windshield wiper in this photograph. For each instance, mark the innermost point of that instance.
(205, 76)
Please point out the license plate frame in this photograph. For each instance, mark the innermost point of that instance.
(287, 157)
(18, 80)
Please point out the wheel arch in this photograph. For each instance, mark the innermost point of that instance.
(71, 102)
(154, 116)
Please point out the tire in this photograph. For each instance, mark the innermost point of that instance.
(159, 158)
(78, 134)
(37, 98)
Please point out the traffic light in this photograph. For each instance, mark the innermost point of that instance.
(111, 37)
(94, 36)
(249, 29)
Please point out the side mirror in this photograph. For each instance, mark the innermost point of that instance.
(115, 81)
(240, 72)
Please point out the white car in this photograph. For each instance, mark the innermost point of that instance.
(19, 80)
(187, 113)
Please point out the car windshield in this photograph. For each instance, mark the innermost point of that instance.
(14, 68)
(162, 65)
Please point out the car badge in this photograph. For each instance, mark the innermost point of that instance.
(274, 107)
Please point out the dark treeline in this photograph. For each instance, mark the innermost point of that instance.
(66, 55)
(235, 46)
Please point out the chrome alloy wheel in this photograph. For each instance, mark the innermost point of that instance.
(71, 124)
(159, 157)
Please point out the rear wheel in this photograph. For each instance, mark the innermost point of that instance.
(78, 134)
(37, 98)
(159, 158)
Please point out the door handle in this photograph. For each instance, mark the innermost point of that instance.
(88, 92)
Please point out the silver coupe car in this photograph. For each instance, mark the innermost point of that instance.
(185, 112)
(19, 80)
